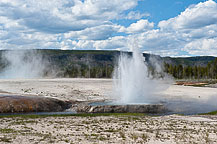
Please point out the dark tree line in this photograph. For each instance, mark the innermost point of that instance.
(180, 71)
(192, 72)
(87, 71)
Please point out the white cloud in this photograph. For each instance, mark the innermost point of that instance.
(195, 16)
(138, 27)
(113, 43)
(93, 24)
(135, 15)
(202, 47)
(116, 43)
(60, 16)
(47, 24)
(101, 32)
(157, 40)
(194, 31)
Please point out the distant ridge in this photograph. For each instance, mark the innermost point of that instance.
(109, 55)
(96, 63)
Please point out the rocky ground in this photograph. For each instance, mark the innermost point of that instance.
(109, 129)
(133, 128)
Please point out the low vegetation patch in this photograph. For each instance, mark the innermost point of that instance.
(209, 113)
(5, 130)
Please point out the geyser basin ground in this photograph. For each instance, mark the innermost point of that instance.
(180, 98)
(104, 128)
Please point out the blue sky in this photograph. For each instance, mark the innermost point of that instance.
(164, 27)
(164, 9)
(161, 9)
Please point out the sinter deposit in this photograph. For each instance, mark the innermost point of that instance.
(16, 104)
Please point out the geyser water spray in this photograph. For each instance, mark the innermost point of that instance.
(132, 85)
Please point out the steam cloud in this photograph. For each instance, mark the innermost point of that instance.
(23, 64)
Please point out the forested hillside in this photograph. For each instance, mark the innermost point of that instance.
(205, 71)
(100, 64)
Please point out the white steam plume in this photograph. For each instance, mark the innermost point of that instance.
(23, 64)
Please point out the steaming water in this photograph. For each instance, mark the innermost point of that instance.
(22, 64)
(131, 81)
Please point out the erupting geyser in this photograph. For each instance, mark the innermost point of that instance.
(133, 88)
(132, 84)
